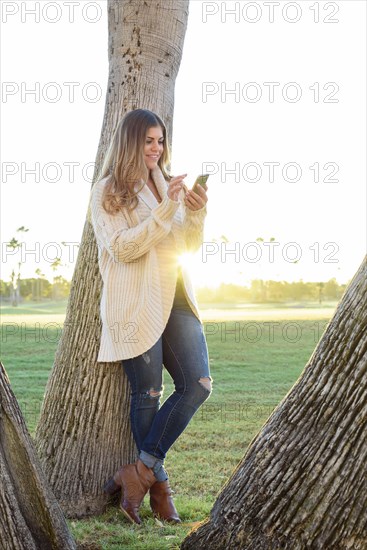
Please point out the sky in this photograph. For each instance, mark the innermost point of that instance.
(270, 100)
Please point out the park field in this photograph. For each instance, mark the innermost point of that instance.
(256, 355)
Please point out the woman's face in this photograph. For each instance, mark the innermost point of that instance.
(153, 147)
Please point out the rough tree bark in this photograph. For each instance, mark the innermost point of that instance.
(83, 434)
(30, 516)
(303, 480)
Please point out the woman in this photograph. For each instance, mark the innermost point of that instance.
(143, 220)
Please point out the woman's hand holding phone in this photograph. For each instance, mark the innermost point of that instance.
(196, 198)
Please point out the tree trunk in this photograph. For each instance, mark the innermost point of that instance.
(303, 480)
(84, 432)
(30, 517)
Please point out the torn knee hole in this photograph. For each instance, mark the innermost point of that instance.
(154, 393)
(206, 382)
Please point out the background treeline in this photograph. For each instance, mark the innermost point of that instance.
(273, 291)
(35, 289)
(40, 289)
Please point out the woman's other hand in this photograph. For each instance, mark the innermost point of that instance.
(174, 187)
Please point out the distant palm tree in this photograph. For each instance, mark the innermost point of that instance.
(16, 245)
(37, 295)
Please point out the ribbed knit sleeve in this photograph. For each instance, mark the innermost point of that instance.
(194, 227)
(126, 244)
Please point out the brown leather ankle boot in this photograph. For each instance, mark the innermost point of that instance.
(136, 480)
(161, 502)
(114, 484)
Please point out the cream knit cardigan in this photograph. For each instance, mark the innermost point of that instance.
(138, 261)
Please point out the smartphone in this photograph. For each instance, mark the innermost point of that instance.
(200, 180)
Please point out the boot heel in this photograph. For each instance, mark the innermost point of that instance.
(111, 487)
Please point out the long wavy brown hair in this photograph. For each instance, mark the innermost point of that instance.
(124, 163)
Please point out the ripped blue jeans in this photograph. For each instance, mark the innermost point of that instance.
(182, 349)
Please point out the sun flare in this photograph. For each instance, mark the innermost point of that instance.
(199, 272)
(186, 260)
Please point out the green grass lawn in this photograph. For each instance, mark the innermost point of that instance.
(255, 359)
